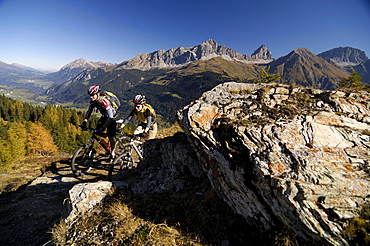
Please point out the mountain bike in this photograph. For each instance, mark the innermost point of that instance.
(86, 157)
(131, 154)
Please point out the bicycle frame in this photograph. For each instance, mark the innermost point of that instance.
(126, 159)
(103, 140)
(85, 157)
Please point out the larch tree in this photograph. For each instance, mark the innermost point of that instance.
(17, 138)
(5, 149)
(40, 140)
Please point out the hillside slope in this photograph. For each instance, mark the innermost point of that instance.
(302, 67)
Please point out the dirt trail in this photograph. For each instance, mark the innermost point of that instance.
(28, 214)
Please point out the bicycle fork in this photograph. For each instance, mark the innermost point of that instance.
(138, 149)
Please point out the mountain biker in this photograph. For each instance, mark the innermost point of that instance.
(108, 118)
(146, 115)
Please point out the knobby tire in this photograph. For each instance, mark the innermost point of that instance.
(121, 162)
(83, 160)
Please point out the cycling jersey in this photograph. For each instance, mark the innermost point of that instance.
(146, 115)
(104, 107)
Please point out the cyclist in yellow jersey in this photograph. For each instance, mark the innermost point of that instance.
(146, 116)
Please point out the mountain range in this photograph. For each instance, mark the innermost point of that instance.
(181, 56)
(173, 78)
(72, 69)
(17, 75)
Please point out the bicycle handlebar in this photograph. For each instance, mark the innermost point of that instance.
(84, 128)
(130, 135)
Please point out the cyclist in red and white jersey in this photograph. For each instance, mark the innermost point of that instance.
(108, 118)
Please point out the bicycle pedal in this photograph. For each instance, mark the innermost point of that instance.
(78, 174)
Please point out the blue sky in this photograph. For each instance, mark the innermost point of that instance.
(47, 34)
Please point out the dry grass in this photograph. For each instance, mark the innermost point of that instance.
(24, 171)
(59, 232)
(358, 229)
(122, 214)
(117, 225)
(170, 131)
(167, 219)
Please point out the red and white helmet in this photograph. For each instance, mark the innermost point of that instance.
(93, 90)
(139, 99)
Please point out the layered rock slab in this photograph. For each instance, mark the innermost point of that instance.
(281, 154)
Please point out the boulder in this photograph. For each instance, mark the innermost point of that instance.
(85, 196)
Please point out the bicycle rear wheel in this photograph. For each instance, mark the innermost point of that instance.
(83, 160)
(121, 162)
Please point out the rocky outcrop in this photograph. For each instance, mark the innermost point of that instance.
(182, 55)
(278, 153)
(85, 196)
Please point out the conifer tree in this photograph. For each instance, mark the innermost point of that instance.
(16, 111)
(3, 128)
(28, 111)
(265, 77)
(6, 157)
(50, 117)
(75, 119)
(17, 139)
(5, 150)
(40, 140)
(4, 107)
(352, 81)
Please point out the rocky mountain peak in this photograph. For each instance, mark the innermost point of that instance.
(181, 56)
(82, 63)
(302, 67)
(72, 69)
(345, 56)
(210, 43)
(262, 53)
(303, 52)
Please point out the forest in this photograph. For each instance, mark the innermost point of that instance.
(29, 130)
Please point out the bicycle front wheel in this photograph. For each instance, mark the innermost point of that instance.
(121, 162)
(83, 160)
(120, 146)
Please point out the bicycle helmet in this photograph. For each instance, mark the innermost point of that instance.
(139, 99)
(93, 90)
